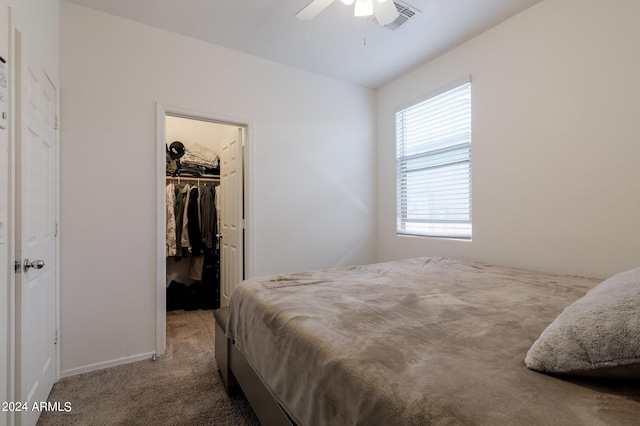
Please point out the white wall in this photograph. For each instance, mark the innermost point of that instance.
(311, 161)
(556, 141)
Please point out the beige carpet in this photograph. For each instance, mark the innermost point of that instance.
(183, 387)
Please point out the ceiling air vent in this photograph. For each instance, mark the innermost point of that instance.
(406, 12)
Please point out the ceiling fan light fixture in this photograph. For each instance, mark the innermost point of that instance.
(364, 8)
(385, 11)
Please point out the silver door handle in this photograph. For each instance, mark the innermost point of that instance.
(36, 264)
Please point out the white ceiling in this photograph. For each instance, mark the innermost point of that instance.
(332, 44)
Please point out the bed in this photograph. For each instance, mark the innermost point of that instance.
(436, 341)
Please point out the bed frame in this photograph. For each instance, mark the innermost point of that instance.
(238, 375)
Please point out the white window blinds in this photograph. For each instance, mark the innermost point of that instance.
(433, 156)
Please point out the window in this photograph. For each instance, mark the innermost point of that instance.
(433, 155)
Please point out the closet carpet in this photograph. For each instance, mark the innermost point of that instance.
(184, 387)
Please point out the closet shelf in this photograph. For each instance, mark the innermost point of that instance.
(199, 179)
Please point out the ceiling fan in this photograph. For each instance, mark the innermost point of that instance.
(384, 10)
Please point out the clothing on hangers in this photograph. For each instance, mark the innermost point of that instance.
(184, 237)
(179, 214)
(171, 220)
(207, 216)
(193, 220)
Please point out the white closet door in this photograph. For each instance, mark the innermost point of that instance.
(35, 232)
(5, 279)
(231, 256)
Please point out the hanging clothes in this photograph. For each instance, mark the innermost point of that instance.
(195, 235)
(196, 267)
(184, 237)
(207, 217)
(218, 205)
(179, 214)
(211, 266)
(193, 218)
(171, 221)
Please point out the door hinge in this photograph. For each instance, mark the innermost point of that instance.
(55, 341)
(55, 234)
(55, 125)
(17, 267)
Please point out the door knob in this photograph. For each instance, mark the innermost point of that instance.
(36, 264)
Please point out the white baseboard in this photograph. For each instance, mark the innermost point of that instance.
(106, 364)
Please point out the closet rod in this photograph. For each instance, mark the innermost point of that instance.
(200, 179)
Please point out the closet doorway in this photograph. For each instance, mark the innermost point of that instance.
(201, 180)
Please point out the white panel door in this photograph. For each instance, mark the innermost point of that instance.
(5, 299)
(35, 233)
(231, 243)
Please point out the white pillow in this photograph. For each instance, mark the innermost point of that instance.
(597, 335)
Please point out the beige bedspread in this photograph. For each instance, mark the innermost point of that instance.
(417, 342)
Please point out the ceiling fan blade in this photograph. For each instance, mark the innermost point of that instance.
(312, 9)
(385, 12)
